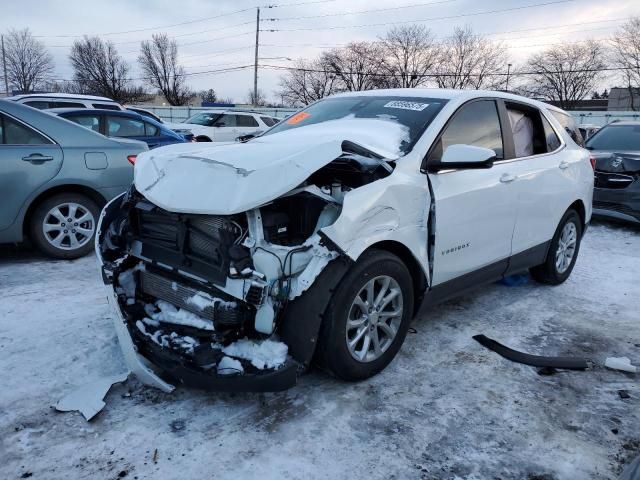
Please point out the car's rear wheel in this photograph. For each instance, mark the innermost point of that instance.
(64, 225)
(368, 318)
(202, 138)
(563, 251)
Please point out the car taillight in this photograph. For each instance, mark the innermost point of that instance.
(132, 159)
(592, 160)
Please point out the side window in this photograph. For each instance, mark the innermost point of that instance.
(58, 104)
(527, 127)
(106, 106)
(39, 104)
(246, 121)
(91, 122)
(268, 121)
(150, 130)
(474, 124)
(553, 142)
(226, 121)
(569, 124)
(124, 127)
(14, 133)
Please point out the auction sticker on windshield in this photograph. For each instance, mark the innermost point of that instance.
(418, 107)
(298, 117)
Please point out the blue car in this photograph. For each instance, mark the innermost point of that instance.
(122, 124)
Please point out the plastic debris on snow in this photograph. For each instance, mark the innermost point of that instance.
(262, 354)
(620, 363)
(229, 366)
(202, 300)
(170, 314)
(88, 399)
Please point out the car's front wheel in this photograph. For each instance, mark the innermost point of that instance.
(563, 251)
(64, 225)
(368, 317)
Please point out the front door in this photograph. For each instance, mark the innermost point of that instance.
(475, 209)
(28, 160)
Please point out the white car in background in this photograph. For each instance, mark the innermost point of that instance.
(43, 101)
(224, 125)
(231, 266)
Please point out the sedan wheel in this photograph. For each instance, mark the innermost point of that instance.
(69, 226)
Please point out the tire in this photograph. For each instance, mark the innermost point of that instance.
(333, 352)
(52, 232)
(202, 138)
(552, 271)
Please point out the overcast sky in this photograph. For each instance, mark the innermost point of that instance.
(203, 48)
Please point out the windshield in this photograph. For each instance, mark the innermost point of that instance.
(206, 119)
(616, 137)
(413, 113)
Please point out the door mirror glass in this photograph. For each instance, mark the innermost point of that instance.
(467, 156)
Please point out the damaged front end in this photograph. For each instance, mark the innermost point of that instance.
(208, 300)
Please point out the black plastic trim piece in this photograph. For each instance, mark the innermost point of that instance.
(566, 363)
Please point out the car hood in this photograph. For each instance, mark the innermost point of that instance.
(617, 162)
(229, 178)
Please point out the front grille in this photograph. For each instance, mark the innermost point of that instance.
(177, 294)
(612, 180)
(195, 243)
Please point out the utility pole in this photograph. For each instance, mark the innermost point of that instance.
(255, 64)
(4, 67)
(508, 72)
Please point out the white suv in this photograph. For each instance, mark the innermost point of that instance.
(330, 230)
(225, 125)
(43, 101)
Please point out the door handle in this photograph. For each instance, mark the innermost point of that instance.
(507, 178)
(563, 165)
(37, 158)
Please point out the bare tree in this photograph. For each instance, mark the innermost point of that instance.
(358, 66)
(626, 55)
(159, 61)
(208, 96)
(29, 65)
(98, 69)
(307, 82)
(259, 101)
(565, 73)
(468, 60)
(410, 53)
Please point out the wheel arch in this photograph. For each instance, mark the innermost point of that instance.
(418, 276)
(68, 188)
(578, 206)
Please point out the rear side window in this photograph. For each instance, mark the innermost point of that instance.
(226, 121)
(268, 121)
(15, 133)
(58, 104)
(476, 124)
(106, 106)
(91, 122)
(246, 121)
(39, 104)
(150, 130)
(124, 127)
(530, 133)
(569, 124)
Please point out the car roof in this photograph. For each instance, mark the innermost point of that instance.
(93, 111)
(61, 95)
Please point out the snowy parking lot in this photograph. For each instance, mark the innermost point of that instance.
(446, 408)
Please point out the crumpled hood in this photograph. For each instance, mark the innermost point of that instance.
(617, 162)
(229, 178)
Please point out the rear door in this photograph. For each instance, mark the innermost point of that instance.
(225, 128)
(247, 124)
(475, 209)
(28, 160)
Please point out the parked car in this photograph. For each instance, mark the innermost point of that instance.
(615, 149)
(224, 125)
(331, 230)
(145, 113)
(43, 101)
(122, 124)
(55, 177)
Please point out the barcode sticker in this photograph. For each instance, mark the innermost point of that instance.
(418, 107)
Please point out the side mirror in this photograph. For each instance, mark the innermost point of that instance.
(464, 157)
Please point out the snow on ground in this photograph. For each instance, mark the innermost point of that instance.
(446, 408)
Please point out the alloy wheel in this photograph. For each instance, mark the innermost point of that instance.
(566, 247)
(68, 226)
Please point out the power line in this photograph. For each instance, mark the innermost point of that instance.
(447, 17)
